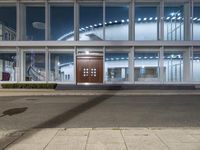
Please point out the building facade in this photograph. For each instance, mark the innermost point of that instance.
(100, 41)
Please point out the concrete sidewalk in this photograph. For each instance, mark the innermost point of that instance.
(50, 92)
(102, 139)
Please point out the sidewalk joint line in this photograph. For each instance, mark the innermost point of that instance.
(123, 139)
(50, 140)
(162, 141)
(87, 139)
(18, 137)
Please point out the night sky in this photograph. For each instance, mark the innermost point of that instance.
(8, 16)
(35, 14)
(62, 21)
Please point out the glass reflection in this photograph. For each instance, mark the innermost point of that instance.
(196, 66)
(35, 66)
(61, 67)
(7, 23)
(116, 67)
(7, 66)
(146, 66)
(196, 23)
(174, 23)
(62, 23)
(35, 23)
(91, 23)
(146, 23)
(173, 66)
(117, 22)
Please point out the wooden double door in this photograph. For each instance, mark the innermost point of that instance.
(89, 69)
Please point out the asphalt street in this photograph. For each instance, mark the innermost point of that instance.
(99, 111)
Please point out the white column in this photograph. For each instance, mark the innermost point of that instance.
(76, 21)
(104, 19)
(46, 64)
(75, 52)
(18, 21)
(131, 20)
(56, 67)
(186, 65)
(191, 17)
(22, 65)
(187, 21)
(18, 64)
(47, 21)
(131, 65)
(21, 21)
(161, 25)
(104, 61)
(191, 63)
(161, 65)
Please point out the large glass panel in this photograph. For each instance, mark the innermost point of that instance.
(173, 66)
(116, 66)
(196, 66)
(62, 23)
(34, 66)
(117, 22)
(146, 23)
(61, 67)
(7, 23)
(35, 23)
(146, 66)
(174, 23)
(91, 23)
(7, 66)
(196, 23)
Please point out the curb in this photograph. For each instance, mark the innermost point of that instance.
(17, 94)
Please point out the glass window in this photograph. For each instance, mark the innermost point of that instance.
(146, 23)
(62, 23)
(146, 66)
(7, 66)
(196, 23)
(117, 22)
(174, 23)
(116, 66)
(196, 66)
(35, 23)
(173, 66)
(91, 23)
(61, 67)
(35, 66)
(7, 23)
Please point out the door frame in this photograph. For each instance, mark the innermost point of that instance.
(89, 57)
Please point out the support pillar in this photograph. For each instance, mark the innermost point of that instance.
(161, 65)
(186, 65)
(187, 30)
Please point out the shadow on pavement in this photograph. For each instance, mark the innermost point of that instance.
(59, 119)
(13, 111)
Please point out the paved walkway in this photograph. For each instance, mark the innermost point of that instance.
(50, 92)
(102, 139)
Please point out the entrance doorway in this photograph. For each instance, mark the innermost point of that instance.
(89, 69)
